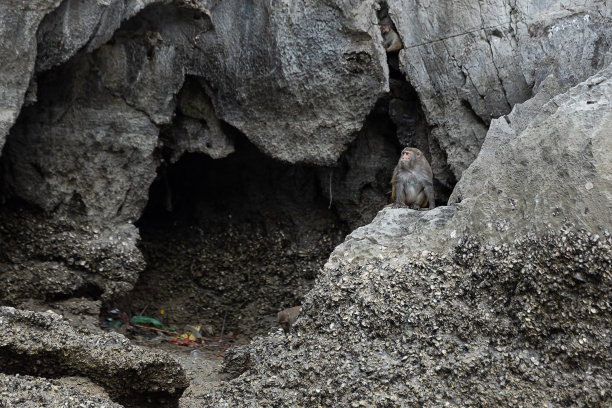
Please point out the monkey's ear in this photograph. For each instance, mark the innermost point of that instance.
(418, 153)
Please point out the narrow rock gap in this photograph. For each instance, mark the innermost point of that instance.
(403, 109)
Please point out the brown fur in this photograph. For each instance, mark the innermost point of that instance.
(412, 181)
(391, 40)
(287, 317)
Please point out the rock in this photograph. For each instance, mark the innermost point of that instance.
(76, 25)
(297, 78)
(19, 20)
(543, 166)
(32, 392)
(488, 302)
(43, 344)
(197, 128)
(400, 230)
(473, 63)
(349, 71)
(52, 260)
(361, 184)
(94, 157)
(482, 325)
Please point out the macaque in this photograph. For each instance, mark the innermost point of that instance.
(392, 41)
(412, 181)
(287, 317)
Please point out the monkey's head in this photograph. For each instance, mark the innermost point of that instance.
(409, 156)
(385, 28)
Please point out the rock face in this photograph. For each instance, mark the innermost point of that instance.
(76, 25)
(495, 299)
(525, 324)
(19, 21)
(45, 345)
(501, 313)
(315, 66)
(544, 165)
(109, 75)
(473, 62)
(53, 260)
(31, 392)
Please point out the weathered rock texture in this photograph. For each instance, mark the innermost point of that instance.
(31, 392)
(542, 167)
(525, 324)
(456, 306)
(53, 260)
(76, 25)
(297, 81)
(297, 78)
(119, 90)
(19, 21)
(473, 61)
(236, 249)
(315, 66)
(43, 344)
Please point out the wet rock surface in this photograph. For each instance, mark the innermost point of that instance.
(44, 345)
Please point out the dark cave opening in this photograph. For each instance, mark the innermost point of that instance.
(229, 242)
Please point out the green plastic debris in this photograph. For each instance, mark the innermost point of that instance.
(112, 324)
(149, 321)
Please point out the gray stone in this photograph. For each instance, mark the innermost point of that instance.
(197, 129)
(77, 25)
(482, 325)
(501, 299)
(43, 344)
(545, 165)
(32, 392)
(48, 259)
(19, 21)
(83, 152)
(542, 167)
(297, 78)
(471, 63)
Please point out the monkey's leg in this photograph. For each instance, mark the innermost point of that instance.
(429, 193)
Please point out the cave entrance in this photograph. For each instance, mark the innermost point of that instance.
(229, 242)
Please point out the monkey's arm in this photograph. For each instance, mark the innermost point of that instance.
(388, 41)
(399, 194)
(429, 193)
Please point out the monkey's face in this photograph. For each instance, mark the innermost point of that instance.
(385, 28)
(409, 156)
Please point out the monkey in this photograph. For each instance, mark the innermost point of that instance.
(392, 41)
(412, 181)
(287, 317)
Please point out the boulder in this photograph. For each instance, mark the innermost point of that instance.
(45, 345)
